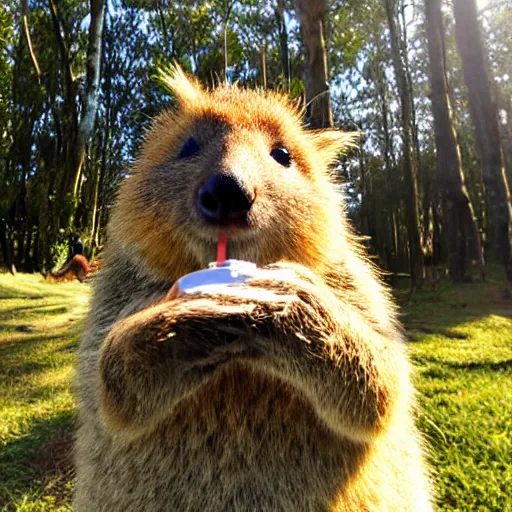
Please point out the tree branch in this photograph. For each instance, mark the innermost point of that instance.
(24, 13)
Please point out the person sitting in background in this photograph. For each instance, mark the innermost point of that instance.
(76, 247)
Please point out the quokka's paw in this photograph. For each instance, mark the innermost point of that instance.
(246, 318)
(209, 329)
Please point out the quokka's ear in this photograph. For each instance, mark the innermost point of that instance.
(330, 143)
(185, 88)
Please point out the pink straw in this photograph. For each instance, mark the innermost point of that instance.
(222, 248)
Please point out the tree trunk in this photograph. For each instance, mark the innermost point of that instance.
(86, 124)
(229, 8)
(30, 46)
(66, 126)
(505, 104)
(311, 16)
(93, 212)
(93, 81)
(485, 121)
(27, 249)
(264, 66)
(458, 214)
(404, 48)
(382, 91)
(409, 163)
(6, 246)
(34, 259)
(283, 42)
(163, 27)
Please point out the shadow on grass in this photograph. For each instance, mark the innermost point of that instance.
(21, 312)
(22, 342)
(485, 366)
(40, 462)
(441, 311)
(12, 295)
(493, 367)
(42, 393)
(8, 293)
(28, 288)
(417, 333)
(471, 366)
(20, 358)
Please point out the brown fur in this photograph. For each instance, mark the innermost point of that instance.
(300, 402)
(78, 268)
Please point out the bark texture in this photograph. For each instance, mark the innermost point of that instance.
(461, 233)
(316, 78)
(484, 115)
(409, 162)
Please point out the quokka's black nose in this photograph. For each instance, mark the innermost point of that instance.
(222, 200)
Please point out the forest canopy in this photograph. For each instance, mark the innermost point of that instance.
(427, 83)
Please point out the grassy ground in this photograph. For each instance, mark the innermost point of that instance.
(38, 336)
(461, 342)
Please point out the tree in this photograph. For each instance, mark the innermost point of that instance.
(90, 107)
(461, 233)
(484, 116)
(409, 162)
(311, 16)
(283, 41)
(56, 175)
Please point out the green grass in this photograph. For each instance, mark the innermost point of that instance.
(461, 343)
(39, 325)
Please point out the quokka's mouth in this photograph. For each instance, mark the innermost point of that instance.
(242, 244)
(234, 229)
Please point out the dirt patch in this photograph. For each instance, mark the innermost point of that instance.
(54, 467)
(503, 306)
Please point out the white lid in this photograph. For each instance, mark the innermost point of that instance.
(227, 273)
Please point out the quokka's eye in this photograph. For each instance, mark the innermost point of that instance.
(191, 147)
(281, 156)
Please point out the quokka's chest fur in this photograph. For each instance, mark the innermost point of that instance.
(246, 443)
